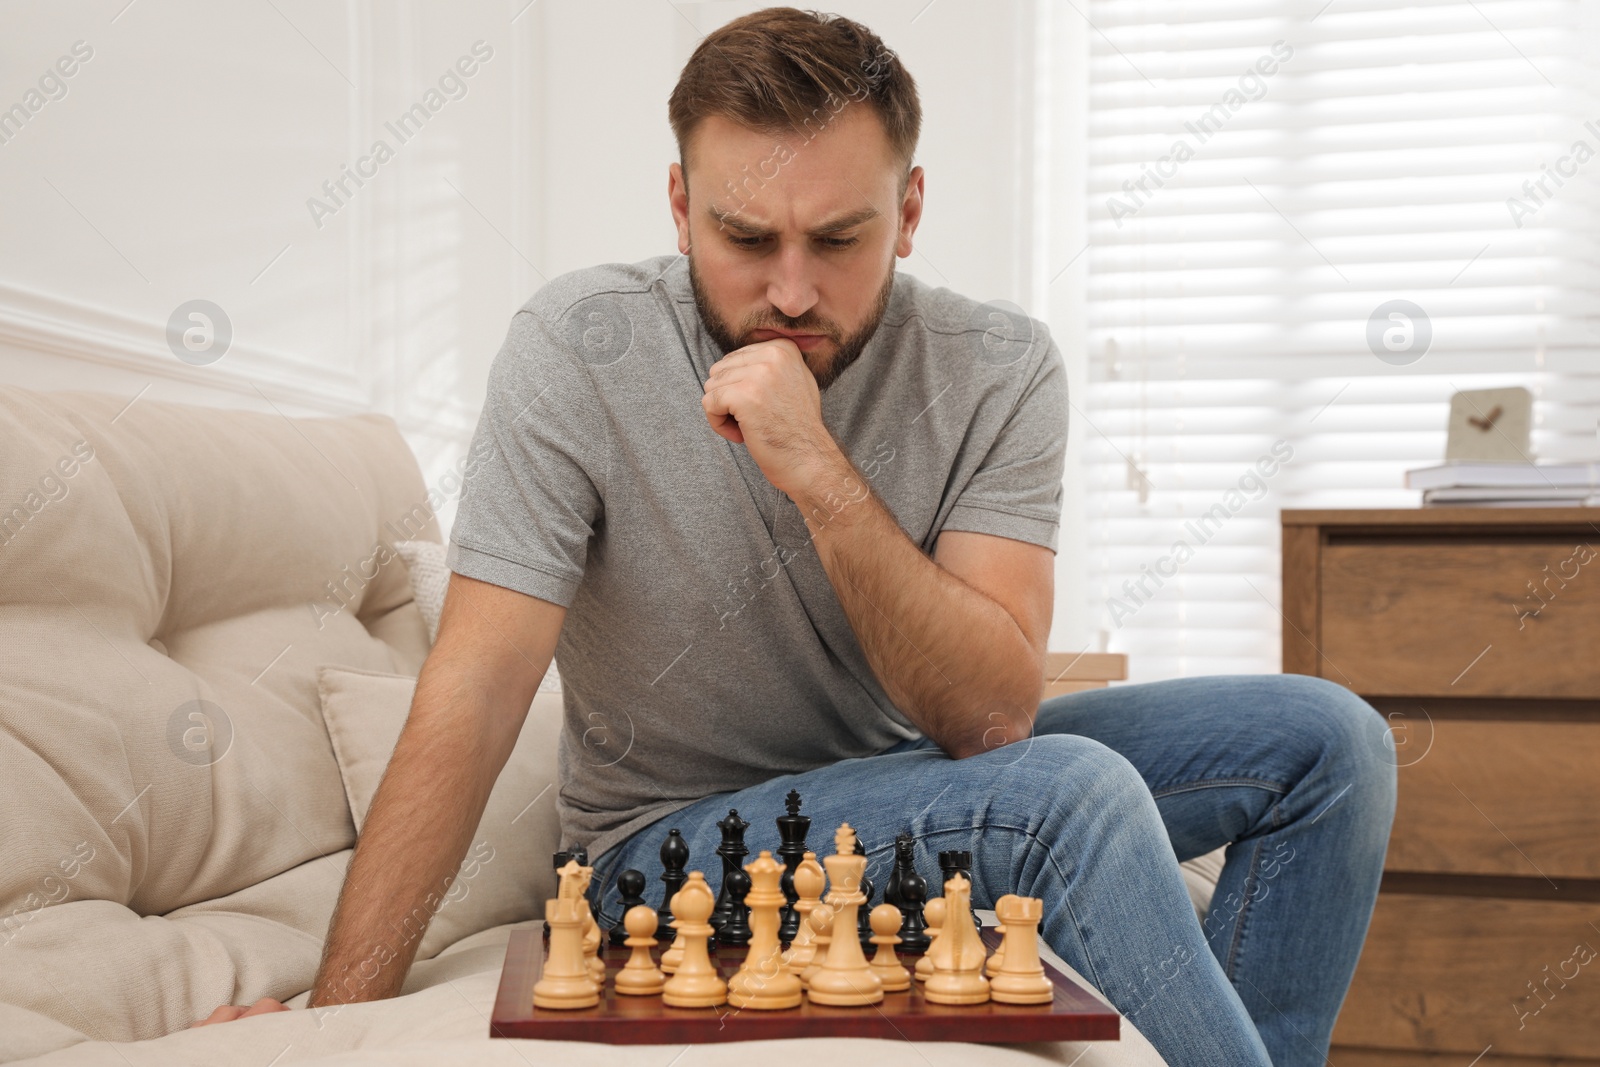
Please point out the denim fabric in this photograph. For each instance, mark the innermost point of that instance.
(1295, 775)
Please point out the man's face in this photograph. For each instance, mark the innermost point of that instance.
(795, 237)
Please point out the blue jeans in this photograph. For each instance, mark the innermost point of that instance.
(1093, 813)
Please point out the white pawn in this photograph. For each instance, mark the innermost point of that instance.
(640, 977)
(885, 921)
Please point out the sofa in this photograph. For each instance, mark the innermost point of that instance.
(209, 643)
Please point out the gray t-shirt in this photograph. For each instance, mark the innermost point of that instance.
(704, 649)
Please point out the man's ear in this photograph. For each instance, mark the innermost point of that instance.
(678, 201)
(910, 212)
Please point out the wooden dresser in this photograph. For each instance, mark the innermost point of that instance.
(1476, 632)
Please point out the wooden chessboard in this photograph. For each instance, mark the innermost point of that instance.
(1075, 1015)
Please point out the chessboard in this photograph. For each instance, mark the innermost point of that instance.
(1074, 1014)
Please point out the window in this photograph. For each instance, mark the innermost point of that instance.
(1263, 188)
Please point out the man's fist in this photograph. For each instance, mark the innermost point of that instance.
(229, 1012)
(765, 397)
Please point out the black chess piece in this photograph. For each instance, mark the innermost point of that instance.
(913, 927)
(904, 863)
(952, 862)
(863, 913)
(630, 883)
(733, 851)
(736, 930)
(581, 856)
(674, 860)
(792, 829)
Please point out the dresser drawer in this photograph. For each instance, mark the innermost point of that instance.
(1413, 617)
(1495, 798)
(1457, 974)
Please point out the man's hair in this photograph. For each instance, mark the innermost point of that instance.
(782, 70)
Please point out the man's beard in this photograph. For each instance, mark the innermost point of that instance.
(847, 349)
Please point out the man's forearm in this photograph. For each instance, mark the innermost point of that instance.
(951, 658)
(420, 824)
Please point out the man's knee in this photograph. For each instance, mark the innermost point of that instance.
(1344, 736)
(1056, 776)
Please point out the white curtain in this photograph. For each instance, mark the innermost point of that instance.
(1309, 225)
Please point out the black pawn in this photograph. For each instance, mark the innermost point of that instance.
(674, 860)
(581, 856)
(792, 829)
(913, 927)
(736, 930)
(630, 883)
(733, 851)
(863, 914)
(904, 863)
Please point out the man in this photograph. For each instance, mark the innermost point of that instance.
(787, 519)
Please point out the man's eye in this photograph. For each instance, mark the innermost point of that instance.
(840, 242)
(746, 242)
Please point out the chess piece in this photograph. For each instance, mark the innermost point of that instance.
(954, 861)
(630, 883)
(1021, 979)
(591, 942)
(958, 956)
(640, 977)
(695, 983)
(566, 982)
(762, 982)
(868, 888)
(674, 953)
(885, 934)
(992, 968)
(792, 830)
(580, 856)
(808, 882)
(935, 914)
(736, 927)
(558, 860)
(732, 851)
(845, 979)
(821, 922)
(904, 863)
(674, 858)
(913, 925)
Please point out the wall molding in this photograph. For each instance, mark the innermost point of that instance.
(55, 326)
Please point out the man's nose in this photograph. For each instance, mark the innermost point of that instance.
(791, 289)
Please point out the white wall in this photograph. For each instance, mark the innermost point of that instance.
(179, 163)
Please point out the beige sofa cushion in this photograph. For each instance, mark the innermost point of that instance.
(506, 875)
(171, 578)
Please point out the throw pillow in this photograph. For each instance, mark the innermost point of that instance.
(506, 874)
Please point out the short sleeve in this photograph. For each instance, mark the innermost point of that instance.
(534, 484)
(1016, 491)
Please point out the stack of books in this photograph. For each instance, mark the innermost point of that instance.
(1507, 485)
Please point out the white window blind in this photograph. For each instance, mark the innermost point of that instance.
(1262, 178)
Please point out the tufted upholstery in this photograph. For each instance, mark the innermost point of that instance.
(171, 578)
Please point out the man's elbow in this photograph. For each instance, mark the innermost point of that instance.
(1008, 721)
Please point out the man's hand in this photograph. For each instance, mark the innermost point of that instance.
(765, 397)
(229, 1012)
